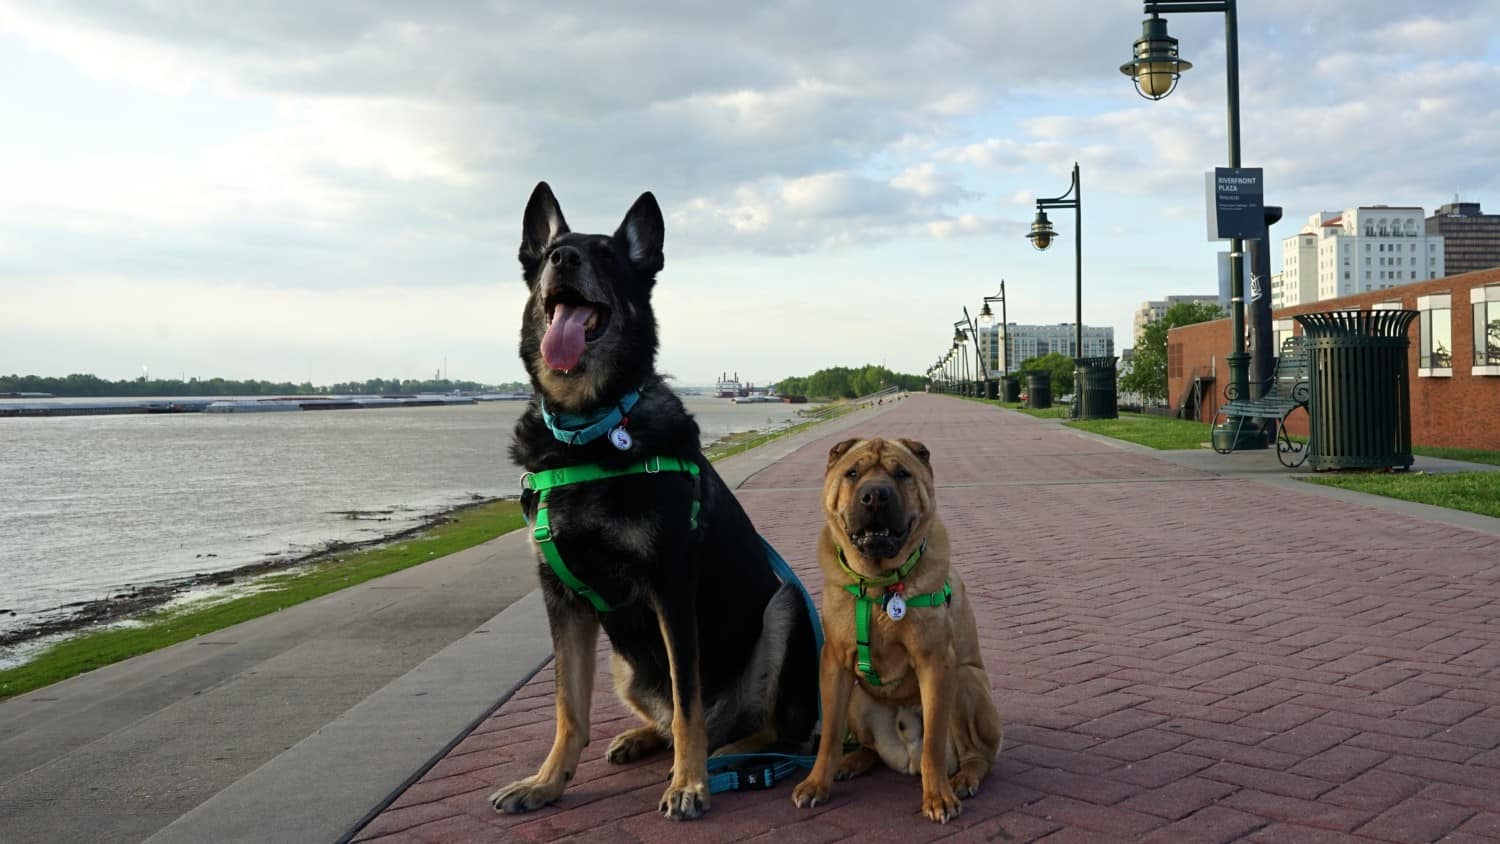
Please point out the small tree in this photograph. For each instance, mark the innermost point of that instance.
(1148, 370)
(1061, 367)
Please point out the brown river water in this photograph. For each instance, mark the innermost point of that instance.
(90, 505)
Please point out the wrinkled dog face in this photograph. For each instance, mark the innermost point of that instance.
(879, 495)
(588, 334)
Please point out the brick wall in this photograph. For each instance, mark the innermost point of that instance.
(1459, 411)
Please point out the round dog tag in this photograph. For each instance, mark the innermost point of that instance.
(620, 439)
(895, 607)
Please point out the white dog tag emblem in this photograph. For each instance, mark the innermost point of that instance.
(895, 607)
(620, 438)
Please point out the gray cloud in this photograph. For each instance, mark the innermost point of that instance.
(729, 111)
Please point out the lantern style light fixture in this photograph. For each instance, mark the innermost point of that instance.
(1041, 237)
(1042, 232)
(1155, 67)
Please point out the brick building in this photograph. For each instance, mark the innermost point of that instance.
(1453, 361)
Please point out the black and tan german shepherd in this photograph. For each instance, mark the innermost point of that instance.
(710, 648)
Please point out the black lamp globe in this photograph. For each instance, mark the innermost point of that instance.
(1042, 233)
(1156, 66)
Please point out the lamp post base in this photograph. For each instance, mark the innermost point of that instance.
(1232, 436)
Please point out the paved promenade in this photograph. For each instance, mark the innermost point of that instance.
(1179, 655)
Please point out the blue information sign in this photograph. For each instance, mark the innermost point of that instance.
(1236, 203)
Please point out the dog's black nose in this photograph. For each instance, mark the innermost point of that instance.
(566, 257)
(874, 495)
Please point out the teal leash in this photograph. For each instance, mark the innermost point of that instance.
(759, 771)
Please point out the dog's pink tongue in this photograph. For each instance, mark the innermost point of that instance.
(563, 345)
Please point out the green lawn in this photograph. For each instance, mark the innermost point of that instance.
(1056, 411)
(1476, 492)
(85, 652)
(1473, 455)
(1157, 432)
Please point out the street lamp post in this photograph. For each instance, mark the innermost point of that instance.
(986, 318)
(1042, 235)
(1155, 68)
(982, 368)
(959, 341)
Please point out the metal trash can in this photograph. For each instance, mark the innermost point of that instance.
(1360, 408)
(1096, 394)
(1038, 389)
(1010, 388)
(992, 389)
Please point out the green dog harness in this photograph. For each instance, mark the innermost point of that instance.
(893, 603)
(541, 530)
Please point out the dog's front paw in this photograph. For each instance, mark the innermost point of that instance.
(810, 792)
(941, 806)
(634, 744)
(684, 802)
(525, 795)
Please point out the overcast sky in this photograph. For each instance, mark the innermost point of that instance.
(333, 190)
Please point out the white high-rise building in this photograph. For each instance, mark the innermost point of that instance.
(1155, 309)
(1369, 247)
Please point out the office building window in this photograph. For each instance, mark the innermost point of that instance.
(1436, 341)
(1486, 304)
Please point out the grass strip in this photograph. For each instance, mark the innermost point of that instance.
(1476, 492)
(465, 528)
(746, 440)
(1158, 432)
(1056, 411)
(1472, 455)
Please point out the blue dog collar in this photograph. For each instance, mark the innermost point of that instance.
(584, 428)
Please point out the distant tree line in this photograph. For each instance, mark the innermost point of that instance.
(92, 385)
(841, 382)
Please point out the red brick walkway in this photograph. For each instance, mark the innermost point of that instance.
(1177, 657)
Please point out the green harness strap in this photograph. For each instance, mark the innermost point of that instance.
(862, 604)
(543, 482)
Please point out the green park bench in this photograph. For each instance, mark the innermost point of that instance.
(1289, 390)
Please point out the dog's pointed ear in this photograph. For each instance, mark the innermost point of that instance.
(840, 450)
(918, 450)
(642, 232)
(543, 221)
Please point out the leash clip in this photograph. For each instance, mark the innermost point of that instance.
(754, 777)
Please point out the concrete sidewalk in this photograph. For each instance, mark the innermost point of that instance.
(1179, 655)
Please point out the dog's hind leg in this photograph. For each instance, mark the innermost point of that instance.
(639, 742)
(574, 636)
(977, 731)
(759, 741)
(856, 762)
(759, 691)
(687, 795)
